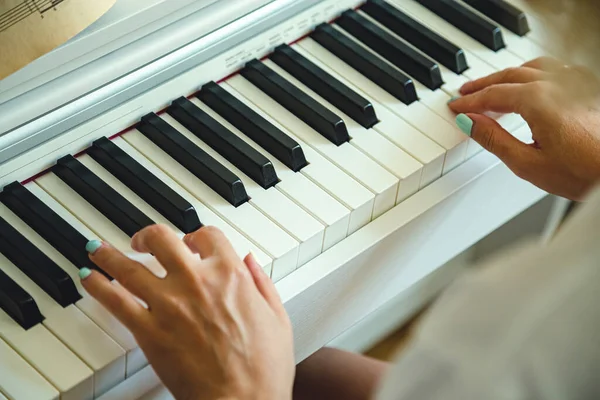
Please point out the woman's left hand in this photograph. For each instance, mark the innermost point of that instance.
(215, 327)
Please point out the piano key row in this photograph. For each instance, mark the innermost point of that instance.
(287, 158)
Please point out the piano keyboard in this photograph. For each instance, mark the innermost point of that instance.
(288, 157)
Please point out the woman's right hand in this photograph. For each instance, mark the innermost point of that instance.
(561, 106)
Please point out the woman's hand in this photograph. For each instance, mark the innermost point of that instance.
(215, 327)
(561, 105)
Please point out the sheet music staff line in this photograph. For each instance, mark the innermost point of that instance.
(24, 10)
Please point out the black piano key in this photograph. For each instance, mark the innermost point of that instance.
(395, 51)
(265, 134)
(224, 142)
(467, 21)
(503, 13)
(297, 102)
(384, 75)
(37, 266)
(18, 304)
(48, 224)
(141, 181)
(194, 159)
(100, 195)
(348, 101)
(423, 38)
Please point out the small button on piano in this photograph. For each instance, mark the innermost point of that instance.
(315, 134)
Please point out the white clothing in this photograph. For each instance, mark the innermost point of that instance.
(524, 326)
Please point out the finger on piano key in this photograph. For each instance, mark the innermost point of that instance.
(272, 203)
(68, 241)
(273, 140)
(432, 141)
(389, 156)
(521, 47)
(498, 59)
(396, 51)
(18, 304)
(169, 203)
(352, 104)
(92, 345)
(19, 380)
(356, 164)
(217, 177)
(101, 196)
(429, 42)
(39, 268)
(239, 242)
(503, 13)
(464, 19)
(322, 120)
(250, 162)
(49, 356)
(303, 192)
(391, 79)
(88, 305)
(277, 244)
(326, 175)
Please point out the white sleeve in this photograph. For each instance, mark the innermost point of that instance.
(524, 326)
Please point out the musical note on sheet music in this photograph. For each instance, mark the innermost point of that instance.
(31, 28)
(24, 9)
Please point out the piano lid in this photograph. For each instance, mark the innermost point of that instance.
(124, 54)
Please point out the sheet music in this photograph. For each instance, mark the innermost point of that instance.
(31, 28)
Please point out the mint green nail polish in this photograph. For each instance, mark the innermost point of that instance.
(84, 273)
(453, 98)
(464, 123)
(92, 246)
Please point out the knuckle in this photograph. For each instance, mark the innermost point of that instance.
(157, 230)
(511, 74)
(209, 233)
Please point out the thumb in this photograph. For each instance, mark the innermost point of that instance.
(495, 139)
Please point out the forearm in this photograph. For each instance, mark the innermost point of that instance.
(336, 374)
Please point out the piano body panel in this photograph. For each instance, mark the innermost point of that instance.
(404, 253)
(67, 102)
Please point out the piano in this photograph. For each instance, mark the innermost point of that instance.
(315, 134)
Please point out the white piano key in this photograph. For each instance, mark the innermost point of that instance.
(18, 379)
(75, 329)
(388, 155)
(49, 356)
(409, 138)
(452, 81)
(301, 190)
(355, 163)
(443, 134)
(88, 305)
(326, 175)
(406, 162)
(277, 244)
(272, 203)
(499, 59)
(239, 243)
(520, 46)
(84, 211)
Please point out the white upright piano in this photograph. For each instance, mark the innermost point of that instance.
(314, 133)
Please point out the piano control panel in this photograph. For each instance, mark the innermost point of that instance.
(290, 142)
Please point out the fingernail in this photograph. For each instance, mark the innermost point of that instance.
(453, 98)
(84, 273)
(92, 246)
(251, 254)
(464, 123)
